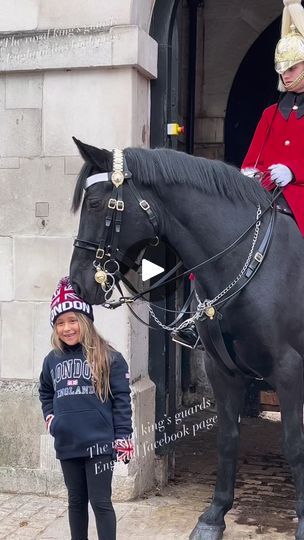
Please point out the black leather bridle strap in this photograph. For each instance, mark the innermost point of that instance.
(263, 247)
(117, 219)
(174, 322)
(145, 206)
(183, 309)
(213, 335)
(120, 256)
(159, 283)
(105, 242)
(85, 244)
(128, 284)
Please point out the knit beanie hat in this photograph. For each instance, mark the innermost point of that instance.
(65, 299)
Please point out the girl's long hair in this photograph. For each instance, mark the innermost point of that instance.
(97, 353)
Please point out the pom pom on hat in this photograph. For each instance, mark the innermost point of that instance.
(65, 300)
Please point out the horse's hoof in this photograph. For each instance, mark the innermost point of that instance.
(202, 531)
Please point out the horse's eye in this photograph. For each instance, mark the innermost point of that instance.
(94, 203)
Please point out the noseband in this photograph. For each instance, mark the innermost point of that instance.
(107, 254)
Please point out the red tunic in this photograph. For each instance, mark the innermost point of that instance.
(283, 144)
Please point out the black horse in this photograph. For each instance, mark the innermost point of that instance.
(199, 208)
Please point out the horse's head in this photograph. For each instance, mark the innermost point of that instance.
(116, 223)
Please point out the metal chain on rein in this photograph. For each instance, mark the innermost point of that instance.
(205, 307)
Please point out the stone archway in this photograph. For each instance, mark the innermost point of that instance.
(254, 88)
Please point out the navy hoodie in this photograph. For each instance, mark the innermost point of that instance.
(83, 425)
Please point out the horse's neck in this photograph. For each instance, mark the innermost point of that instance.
(198, 226)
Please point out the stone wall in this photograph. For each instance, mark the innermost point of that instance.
(225, 32)
(67, 69)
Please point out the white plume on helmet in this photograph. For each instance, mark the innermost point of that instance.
(290, 49)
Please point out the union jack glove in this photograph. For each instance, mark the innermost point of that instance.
(124, 449)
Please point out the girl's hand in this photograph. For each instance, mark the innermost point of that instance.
(48, 422)
(124, 449)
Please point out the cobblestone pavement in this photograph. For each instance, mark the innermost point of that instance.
(263, 509)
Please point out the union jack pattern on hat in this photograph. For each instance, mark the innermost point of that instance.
(65, 299)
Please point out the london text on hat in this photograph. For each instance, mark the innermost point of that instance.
(65, 299)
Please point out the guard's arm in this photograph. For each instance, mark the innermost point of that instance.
(256, 145)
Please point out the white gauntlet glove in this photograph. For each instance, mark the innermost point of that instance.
(251, 172)
(280, 174)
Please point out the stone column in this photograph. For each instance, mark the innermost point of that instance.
(67, 69)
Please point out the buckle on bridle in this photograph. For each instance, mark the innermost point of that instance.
(120, 206)
(259, 256)
(112, 204)
(144, 205)
(99, 253)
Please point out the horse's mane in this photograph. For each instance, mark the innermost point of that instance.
(155, 167)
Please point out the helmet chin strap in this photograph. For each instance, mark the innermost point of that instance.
(294, 83)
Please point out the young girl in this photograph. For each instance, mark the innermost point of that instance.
(85, 396)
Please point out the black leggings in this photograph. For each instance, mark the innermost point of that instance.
(89, 479)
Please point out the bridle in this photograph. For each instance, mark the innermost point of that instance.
(108, 256)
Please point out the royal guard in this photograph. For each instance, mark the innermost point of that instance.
(277, 148)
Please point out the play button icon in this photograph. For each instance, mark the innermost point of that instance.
(150, 270)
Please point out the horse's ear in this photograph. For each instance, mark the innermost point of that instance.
(100, 157)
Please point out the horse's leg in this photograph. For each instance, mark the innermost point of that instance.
(290, 390)
(229, 393)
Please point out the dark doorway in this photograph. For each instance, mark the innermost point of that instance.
(173, 26)
(254, 88)
(164, 101)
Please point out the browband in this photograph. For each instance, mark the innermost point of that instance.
(100, 177)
